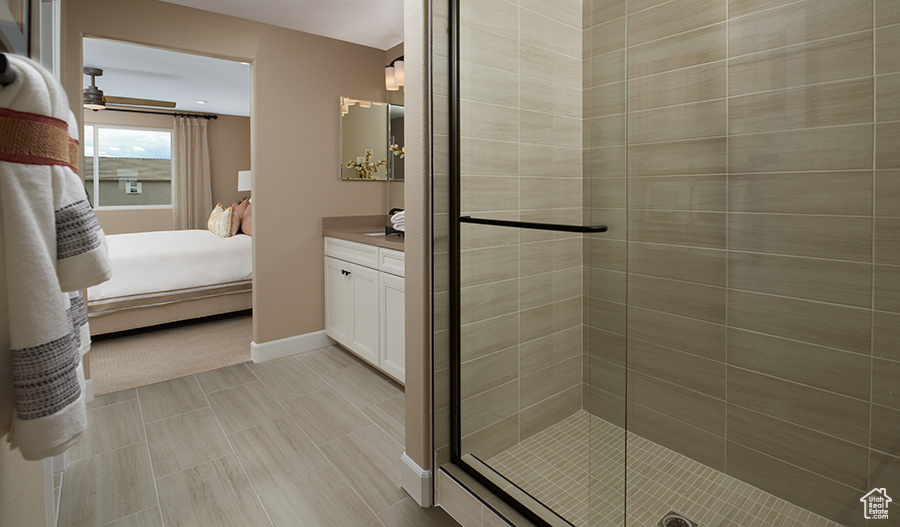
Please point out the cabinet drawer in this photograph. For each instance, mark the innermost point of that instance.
(391, 261)
(359, 253)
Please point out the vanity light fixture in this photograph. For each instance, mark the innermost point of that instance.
(395, 75)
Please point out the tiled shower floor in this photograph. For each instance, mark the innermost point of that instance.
(556, 465)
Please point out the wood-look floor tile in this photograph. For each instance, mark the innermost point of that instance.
(215, 380)
(213, 493)
(289, 380)
(112, 398)
(390, 415)
(327, 360)
(185, 440)
(108, 428)
(323, 499)
(408, 513)
(165, 399)
(107, 487)
(362, 387)
(325, 415)
(276, 453)
(369, 459)
(245, 406)
(145, 518)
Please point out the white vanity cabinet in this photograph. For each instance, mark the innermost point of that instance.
(364, 302)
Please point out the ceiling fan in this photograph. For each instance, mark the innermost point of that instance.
(95, 100)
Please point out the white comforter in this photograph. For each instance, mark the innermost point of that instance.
(150, 262)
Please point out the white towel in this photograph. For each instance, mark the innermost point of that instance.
(51, 247)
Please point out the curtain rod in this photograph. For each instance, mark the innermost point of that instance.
(163, 112)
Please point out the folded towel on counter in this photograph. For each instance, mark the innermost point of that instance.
(398, 217)
(51, 247)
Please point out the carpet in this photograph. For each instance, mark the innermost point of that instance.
(129, 359)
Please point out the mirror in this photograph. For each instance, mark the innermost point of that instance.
(364, 140)
(397, 142)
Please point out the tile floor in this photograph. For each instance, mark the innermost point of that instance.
(314, 440)
(590, 489)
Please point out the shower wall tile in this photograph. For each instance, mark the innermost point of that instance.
(608, 99)
(607, 37)
(489, 407)
(886, 429)
(544, 32)
(607, 193)
(608, 130)
(814, 451)
(488, 336)
(706, 193)
(684, 369)
(494, 86)
(838, 282)
(827, 412)
(884, 383)
(696, 229)
(840, 58)
(541, 321)
(887, 152)
(549, 381)
(680, 333)
(831, 193)
(609, 347)
(681, 86)
(607, 285)
(836, 237)
(504, 53)
(489, 300)
(542, 96)
(548, 161)
(888, 98)
(698, 444)
(887, 39)
(605, 11)
(672, 123)
(487, 236)
(488, 158)
(887, 241)
(884, 470)
(639, 5)
(694, 156)
(545, 288)
(496, 16)
(606, 315)
(488, 193)
(688, 299)
(606, 406)
(801, 487)
(608, 162)
(607, 68)
(606, 376)
(570, 13)
(829, 369)
(689, 264)
(552, 349)
(838, 148)
(887, 12)
(548, 129)
(548, 412)
(670, 18)
(480, 266)
(489, 372)
(847, 328)
(797, 23)
(738, 8)
(678, 402)
(488, 121)
(678, 51)
(550, 193)
(542, 63)
(886, 335)
(543, 257)
(494, 438)
(887, 288)
(840, 103)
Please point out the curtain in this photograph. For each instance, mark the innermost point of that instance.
(193, 190)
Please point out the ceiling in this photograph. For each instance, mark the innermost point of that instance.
(141, 72)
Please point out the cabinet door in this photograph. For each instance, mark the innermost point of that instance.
(337, 300)
(364, 333)
(393, 324)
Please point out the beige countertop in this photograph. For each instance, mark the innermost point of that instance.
(358, 234)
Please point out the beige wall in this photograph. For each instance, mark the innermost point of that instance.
(294, 136)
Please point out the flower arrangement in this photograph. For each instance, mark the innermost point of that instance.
(365, 167)
(397, 150)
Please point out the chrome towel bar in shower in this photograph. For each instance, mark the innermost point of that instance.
(533, 225)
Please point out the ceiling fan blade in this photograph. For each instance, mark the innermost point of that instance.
(137, 102)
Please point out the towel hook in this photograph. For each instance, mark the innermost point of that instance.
(7, 75)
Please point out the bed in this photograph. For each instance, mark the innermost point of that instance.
(166, 276)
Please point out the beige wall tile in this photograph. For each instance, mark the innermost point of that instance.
(826, 412)
(544, 288)
(608, 99)
(884, 383)
(692, 48)
(545, 129)
(488, 372)
(493, 439)
(542, 321)
(604, 376)
(886, 337)
(886, 41)
(324, 498)
(569, 12)
(542, 96)
(834, 59)
(838, 148)
(683, 369)
(185, 440)
(670, 18)
(698, 229)
(694, 156)
(690, 264)
(698, 444)
(885, 429)
(608, 162)
(639, 5)
(682, 86)
(678, 402)
(497, 16)
(838, 282)
(606, 193)
(887, 193)
(479, 266)
(542, 257)
(826, 368)
(540, 31)
(541, 63)
(607, 68)
(489, 407)
(841, 327)
(840, 103)
(473, 237)
(488, 193)
(487, 121)
(802, 193)
(887, 12)
(887, 241)
(493, 86)
(608, 36)
(488, 158)
(605, 11)
(606, 285)
(504, 53)
(557, 347)
(606, 406)
(797, 23)
(606, 253)
(817, 236)
(887, 288)
(686, 121)
(697, 193)
(488, 336)
(887, 155)
(549, 381)
(608, 130)
(744, 7)
(810, 491)
(887, 98)
(687, 299)
(671, 331)
(550, 193)
(549, 161)
(606, 315)
(548, 412)
(489, 300)
(884, 470)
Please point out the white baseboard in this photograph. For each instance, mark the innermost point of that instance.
(416, 481)
(88, 391)
(276, 349)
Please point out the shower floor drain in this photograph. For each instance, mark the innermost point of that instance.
(673, 519)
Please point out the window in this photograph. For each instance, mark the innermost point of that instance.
(128, 167)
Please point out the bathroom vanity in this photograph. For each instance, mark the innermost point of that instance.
(364, 295)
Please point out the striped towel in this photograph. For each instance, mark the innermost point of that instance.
(51, 247)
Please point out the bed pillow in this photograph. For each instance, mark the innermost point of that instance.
(247, 218)
(223, 222)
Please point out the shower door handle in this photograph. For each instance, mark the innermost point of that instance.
(533, 225)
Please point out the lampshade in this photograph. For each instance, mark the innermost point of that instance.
(389, 81)
(399, 73)
(244, 180)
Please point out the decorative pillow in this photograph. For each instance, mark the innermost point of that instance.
(247, 218)
(223, 222)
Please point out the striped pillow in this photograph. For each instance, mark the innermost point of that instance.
(224, 222)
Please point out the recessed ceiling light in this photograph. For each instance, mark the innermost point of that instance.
(201, 101)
